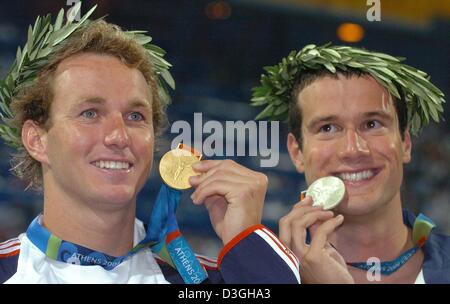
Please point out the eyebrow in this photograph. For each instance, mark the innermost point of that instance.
(135, 103)
(87, 101)
(381, 114)
(93, 100)
(139, 103)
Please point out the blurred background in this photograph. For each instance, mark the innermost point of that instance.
(218, 50)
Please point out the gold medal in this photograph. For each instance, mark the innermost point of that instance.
(175, 166)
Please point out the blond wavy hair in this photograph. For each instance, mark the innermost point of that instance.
(34, 101)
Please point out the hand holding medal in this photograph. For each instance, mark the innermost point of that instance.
(319, 261)
(232, 194)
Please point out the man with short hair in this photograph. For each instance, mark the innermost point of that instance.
(350, 113)
(83, 104)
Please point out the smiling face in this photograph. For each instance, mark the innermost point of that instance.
(99, 143)
(350, 130)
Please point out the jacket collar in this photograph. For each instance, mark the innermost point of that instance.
(436, 250)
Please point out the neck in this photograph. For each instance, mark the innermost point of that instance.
(380, 234)
(87, 224)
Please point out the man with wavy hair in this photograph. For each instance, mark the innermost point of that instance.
(83, 104)
(350, 113)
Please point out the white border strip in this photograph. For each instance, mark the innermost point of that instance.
(286, 249)
(206, 261)
(207, 258)
(10, 249)
(9, 243)
(281, 253)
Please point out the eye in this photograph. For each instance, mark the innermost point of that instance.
(328, 128)
(135, 116)
(89, 114)
(373, 124)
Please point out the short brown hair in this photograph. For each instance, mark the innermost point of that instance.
(295, 115)
(34, 102)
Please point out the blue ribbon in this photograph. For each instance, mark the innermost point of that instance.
(170, 245)
(421, 230)
(388, 267)
(163, 237)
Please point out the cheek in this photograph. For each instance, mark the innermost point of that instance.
(64, 141)
(320, 154)
(317, 160)
(390, 150)
(396, 154)
(143, 145)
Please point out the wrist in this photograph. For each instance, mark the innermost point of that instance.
(228, 245)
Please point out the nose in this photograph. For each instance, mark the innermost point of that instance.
(354, 146)
(116, 134)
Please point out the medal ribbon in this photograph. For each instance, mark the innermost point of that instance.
(163, 236)
(170, 245)
(64, 251)
(421, 231)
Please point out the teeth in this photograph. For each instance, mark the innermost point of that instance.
(113, 165)
(354, 177)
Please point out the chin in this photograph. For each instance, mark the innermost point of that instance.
(356, 206)
(117, 195)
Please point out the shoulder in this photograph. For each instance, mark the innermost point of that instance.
(9, 255)
(439, 245)
(437, 258)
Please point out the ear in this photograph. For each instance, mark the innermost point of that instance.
(295, 153)
(406, 146)
(34, 139)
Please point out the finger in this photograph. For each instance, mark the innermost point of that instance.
(194, 180)
(323, 231)
(300, 212)
(218, 172)
(292, 228)
(225, 164)
(216, 187)
(284, 233)
(219, 176)
(310, 218)
(298, 241)
(299, 230)
(290, 239)
(307, 201)
(205, 165)
(284, 229)
(297, 212)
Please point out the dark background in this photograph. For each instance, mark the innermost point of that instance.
(218, 49)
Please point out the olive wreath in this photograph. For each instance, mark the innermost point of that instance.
(424, 101)
(42, 40)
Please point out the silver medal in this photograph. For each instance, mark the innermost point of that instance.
(327, 192)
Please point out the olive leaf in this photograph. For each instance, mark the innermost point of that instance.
(42, 40)
(423, 99)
